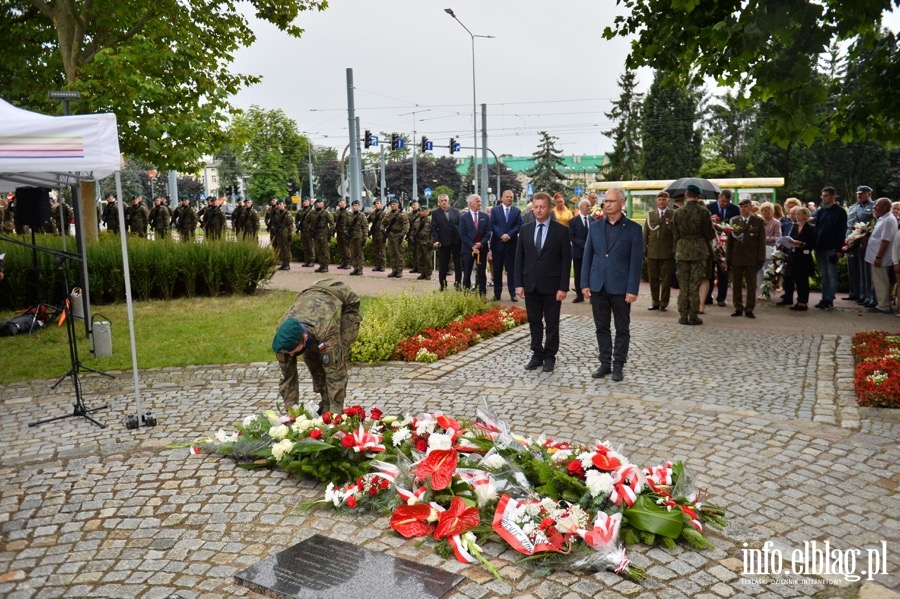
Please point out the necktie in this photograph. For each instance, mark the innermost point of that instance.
(661, 213)
(475, 220)
(584, 218)
(540, 234)
(722, 213)
(506, 210)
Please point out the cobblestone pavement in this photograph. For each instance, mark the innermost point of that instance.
(90, 512)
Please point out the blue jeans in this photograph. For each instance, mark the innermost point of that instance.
(828, 272)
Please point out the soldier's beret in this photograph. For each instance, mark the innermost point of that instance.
(281, 200)
(864, 189)
(289, 335)
(320, 200)
(423, 207)
(694, 188)
(354, 203)
(395, 200)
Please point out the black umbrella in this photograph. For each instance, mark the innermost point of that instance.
(708, 189)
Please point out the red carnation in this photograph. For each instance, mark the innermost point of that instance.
(326, 417)
(357, 411)
(315, 433)
(351, 501)
(376, 414)
(421, 446)
(336, 419)
(347, 441)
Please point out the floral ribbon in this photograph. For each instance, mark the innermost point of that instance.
(364, 440)
(605, 533)
(389, 472)
(626, 482)
(661, 475)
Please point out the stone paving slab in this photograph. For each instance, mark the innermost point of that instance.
(772, 432)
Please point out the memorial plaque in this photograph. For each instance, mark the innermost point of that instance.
(321, 568)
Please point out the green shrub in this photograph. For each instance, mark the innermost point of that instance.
(387, 320)
(163, 269)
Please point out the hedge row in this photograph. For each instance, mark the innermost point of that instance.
(159, 270)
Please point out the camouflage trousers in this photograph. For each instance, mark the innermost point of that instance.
(357, 252)
(283, 247)
(323, 250)
(378, 252)
(690, 275)
(309, 248)
(395, 253)
(424, 258)
(343, 248)
(186, 235)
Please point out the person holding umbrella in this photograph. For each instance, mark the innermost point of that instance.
(693, 232)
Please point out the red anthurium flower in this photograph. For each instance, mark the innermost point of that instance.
(440, 466)
(605, 462)
(446, 423)
(412, 520)
(456, 520)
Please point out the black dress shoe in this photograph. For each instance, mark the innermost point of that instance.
(850, 298)
(321, 269)
(513, 299)
(603, 370)
(617, 374)
(799, 308)
(749, 314)
(549, 364)
(663, 309)
(653, 308)
(737, 313)
(784, 302)
(721, 303)
(534, 364)
(695, 321)
(578, 300)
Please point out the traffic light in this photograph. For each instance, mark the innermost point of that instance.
(452, 145)
(394, 139)
(228, 190)
(367, 141)
(424, 144)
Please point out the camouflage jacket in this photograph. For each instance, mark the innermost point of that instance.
(420, 233)
(184, 218)
(341, 222)
(358, 227)
(375, 223)
(281, 223)
(395, 224)
(321, 223)
(692, 230)
(160, 217)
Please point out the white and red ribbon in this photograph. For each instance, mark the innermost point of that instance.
(626, 483)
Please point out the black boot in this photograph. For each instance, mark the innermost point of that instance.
(285, 266)
(323, 268)
(343, 267)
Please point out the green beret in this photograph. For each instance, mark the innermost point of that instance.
(694, 188)
(280, 201)
(288, 336)
(354, 203)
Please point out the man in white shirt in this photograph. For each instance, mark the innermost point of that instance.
(877, 255)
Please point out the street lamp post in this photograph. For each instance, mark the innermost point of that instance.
(449, 11)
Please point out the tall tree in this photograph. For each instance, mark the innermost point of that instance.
(671, 142)
(730, 125)
(627, 155)
(546, 174)
(771, 48)
(268, 147)
(163, 67)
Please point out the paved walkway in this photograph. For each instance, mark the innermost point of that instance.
(772, 431)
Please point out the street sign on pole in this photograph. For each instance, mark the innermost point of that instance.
(400, 143)
(529, 190)
(373, 140)
(579, 191)
(427, 192)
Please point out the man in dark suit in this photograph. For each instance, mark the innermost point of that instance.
(745, 252)
(445, 236)
(723, 210)
(543, 260)
(578, 233)
(611, 275)
(506, 220)
(475, 235)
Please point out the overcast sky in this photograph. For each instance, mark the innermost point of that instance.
(547, 68)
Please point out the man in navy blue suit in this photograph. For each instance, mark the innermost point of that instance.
(506, 220)
(445, 237)
(578, 232)
(543, 260)
(724, 210)
(611, 279)
(475, 234)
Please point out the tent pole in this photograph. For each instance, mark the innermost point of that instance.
(122, 236)
(82, 251)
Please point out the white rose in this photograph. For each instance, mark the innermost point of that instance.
(561, 456)
(302, 425)
(485, 493)
(278, 432)
(493, 462)
(282, 447)
(439, 441)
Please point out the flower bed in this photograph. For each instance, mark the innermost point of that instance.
(877, 376)
(434, 344)
(559, 504)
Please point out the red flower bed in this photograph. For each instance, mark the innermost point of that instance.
(434, 344)
(877, 375)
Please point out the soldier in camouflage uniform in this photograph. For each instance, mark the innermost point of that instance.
(357, 231)
(281, 227)
(237, 219)
(184, 219)
(422, 245)
(320, 326)
(395, 227)
(137, 216)
(62, 216)
(213, 221)
(413, 217)
(111, 214)
(693, 231)
(306, 241)
(321, 229)
(341, 224)
(376, 232)
(160, 218)
(249, 223)
(270, 211)
(7, 216)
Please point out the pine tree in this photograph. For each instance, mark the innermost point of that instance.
(546, 174)
(627, 155)
(670, 141)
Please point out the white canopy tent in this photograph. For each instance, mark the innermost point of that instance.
(38, 150)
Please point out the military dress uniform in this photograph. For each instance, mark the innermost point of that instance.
(395, 228)
(745, 252)
(341, 225)
(422, 245)
(659, 249)
(321, 229)
(281, 227)
(692, 231)
(357, 232)
(329, 313)
(376, 232)
(184, 220)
